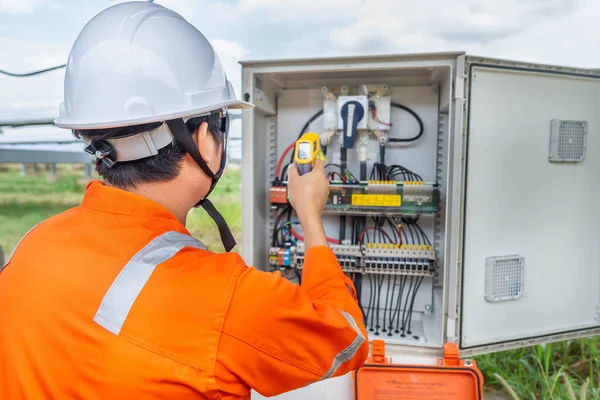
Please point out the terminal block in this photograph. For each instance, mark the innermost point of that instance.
(388, 261)
(383, 197)
(374, 197)
(348, 256)
(399, 261)
(281, 257)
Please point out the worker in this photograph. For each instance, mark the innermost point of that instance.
(114, 299)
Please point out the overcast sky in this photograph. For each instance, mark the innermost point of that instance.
(39, 33)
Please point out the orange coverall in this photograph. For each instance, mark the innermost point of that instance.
(114, 300)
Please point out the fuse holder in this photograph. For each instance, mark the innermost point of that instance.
(278, 195)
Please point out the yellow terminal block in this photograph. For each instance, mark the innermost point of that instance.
(380, 245)
(414, 246)
(397, 245)
(385, 246)
(368, 245)
(419, 247)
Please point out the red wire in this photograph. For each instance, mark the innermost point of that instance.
(376, 118)
(280, 163)
(376, 229)
(333, 174)
(300, 237)
(365, 231)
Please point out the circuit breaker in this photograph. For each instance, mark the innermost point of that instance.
(449, 207)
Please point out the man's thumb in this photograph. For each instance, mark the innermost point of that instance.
(292, 172)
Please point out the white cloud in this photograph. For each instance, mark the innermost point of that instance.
(551, 31)
(230, 53)
(37, 96)
(19, 6)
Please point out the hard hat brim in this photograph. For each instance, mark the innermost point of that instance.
(66, 123)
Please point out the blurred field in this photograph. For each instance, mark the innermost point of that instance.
(558, 371)
(27, 200)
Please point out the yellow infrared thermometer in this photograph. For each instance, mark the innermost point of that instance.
(308, 149)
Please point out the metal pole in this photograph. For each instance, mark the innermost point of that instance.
(88, 171)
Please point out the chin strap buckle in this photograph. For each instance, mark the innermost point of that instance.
(103, 151)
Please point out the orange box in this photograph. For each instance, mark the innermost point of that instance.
(451, 379)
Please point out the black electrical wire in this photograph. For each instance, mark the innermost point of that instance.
(283, 176)
(28, 74)
(378, 172)
(412, 237)
(427, 241)
(403, 281)
(276, 226)
(395, 170)
(412, 304)
(379, 286)
(417, 233)
(406, 306)
(391, 320)
(394, 229)
(371, 301)
(387, 299)
(419, 121)
(357, 280)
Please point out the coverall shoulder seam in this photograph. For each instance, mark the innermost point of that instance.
(295, 365)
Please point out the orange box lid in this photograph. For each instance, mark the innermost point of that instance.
(448, 380)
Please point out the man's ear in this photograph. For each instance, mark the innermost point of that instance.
(201, 139)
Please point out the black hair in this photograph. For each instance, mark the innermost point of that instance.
(164, 166)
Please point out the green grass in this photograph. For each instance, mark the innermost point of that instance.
(555, 371)
(27, 200)
(564, 370)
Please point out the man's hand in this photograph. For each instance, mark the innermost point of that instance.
(308, 195)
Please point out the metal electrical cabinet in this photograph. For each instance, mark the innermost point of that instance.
(513, 151)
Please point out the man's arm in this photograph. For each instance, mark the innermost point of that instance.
(279, 336)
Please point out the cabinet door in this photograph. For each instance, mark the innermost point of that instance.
(531, 207)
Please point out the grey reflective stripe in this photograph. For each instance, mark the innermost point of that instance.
(131, 280)
(349, 352)
(15, 249)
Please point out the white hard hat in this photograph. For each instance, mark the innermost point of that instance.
(139, 62)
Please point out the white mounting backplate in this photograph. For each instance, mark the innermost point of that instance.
(383, 106)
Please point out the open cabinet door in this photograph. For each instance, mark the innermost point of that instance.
(531, 207)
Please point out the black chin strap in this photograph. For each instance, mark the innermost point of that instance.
(224, 231)
(184, 139)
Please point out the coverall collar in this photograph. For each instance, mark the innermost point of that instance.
(108, 199)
